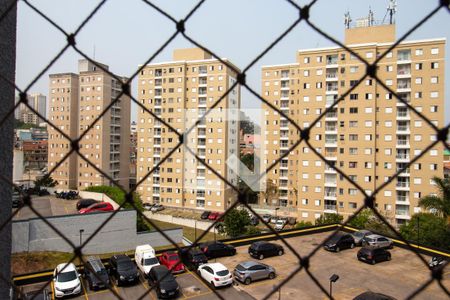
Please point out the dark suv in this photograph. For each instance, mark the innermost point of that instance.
(340, 241)
(162, 279)
(123, 270)
(217, 249)
(261, 250)
(373, 255)
(193, 258)
(96, 274)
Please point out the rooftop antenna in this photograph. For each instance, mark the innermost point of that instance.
(347, 19)
(391, 10)
(370, 18)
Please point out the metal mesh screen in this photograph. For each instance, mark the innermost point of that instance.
(304, 137)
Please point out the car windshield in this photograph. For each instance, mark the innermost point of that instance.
(66, 276)
(102, 272)
(223, 273)
(240, 268)
(173, 258)
(165, 276)
(125, 266)
(150, 261)
(359, 234)
(335, 238)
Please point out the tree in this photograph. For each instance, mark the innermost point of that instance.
(440, 204)
(427, 229)
(366, 219)
(361, 220)
(271, 192)
(248, 160)
(45, 181)
(235, 222)
(329, 219)
(252, 230)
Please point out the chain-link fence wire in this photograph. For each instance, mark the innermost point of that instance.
(241, 195)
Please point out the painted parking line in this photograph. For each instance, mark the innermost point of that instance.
(201, 281)
(84, 290)
(53, 290)
(147, 287)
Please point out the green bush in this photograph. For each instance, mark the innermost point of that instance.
(250, 230)
(303, 224)
(235, 222)
(329, 219)
(118, 196)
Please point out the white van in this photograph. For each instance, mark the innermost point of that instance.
(145, 258)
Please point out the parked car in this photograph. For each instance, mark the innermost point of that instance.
(97, 207)
(205, 215)
(273, 220)
(373, 296)
(373, 255)
(249, 271)
(172, 261)
(17, 200)
(254, 220)
(122, 269)
(217, 249)
(216, 274)
(358, 236)
(85, 203)
(261, 250)
(96, 274)
(377, 241)
(340, 241)
(163, 281)
(157, 207)
(213, 216)
(437, 262)
(266, 218)
(193, 258)
(145, 258)
(36, 295)
(66, 280)
(69, 195)
(279, 225)
(147, 206)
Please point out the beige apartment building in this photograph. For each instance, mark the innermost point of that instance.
(369, 136)
(76, 101)
(180, 92)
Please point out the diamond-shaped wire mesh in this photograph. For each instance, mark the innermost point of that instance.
(304, 136)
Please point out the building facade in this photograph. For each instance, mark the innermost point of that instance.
(39, 103)
(77, 100)
(180, 92)
(370, 135)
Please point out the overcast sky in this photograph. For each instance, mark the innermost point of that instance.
(125, 34)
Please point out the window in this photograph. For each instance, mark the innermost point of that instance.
(419, 66)
(389, 68)
(369, 54)
(368, 96)
(353, 69)
(434, 65)
(419, 52)
(306, 60)
(353, 96)
(352, 164)
(418, 80)
(434, 51)
(353, 110)
(433, 108)
(434, 94)
(434, 79)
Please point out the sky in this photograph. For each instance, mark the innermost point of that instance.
(124, 34)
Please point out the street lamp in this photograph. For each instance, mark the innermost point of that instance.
(81, 236)
(333, 278)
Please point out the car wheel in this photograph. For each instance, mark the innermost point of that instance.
(389, 258)
(271, 275)
(352, 245)
(261, 256)
(372, 261)
(337, 249)
(248, 280)
(280, 252)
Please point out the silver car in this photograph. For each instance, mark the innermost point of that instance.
(249, 271)
(377, 241)
(358, 236)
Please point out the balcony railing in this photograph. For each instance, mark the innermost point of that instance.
(402, 156)
(330, 207)
(331, 115)
(403, 184)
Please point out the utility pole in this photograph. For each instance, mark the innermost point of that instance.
(7, 71)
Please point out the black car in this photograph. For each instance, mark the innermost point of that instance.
(217, 249)
(96, 274)
(340, 241)
(123, 270)
(85, 203)
(261, 250)
(193, 258)
(162, 279)
(373, 255)
(205, 215)
(17, 200)
(373, 296)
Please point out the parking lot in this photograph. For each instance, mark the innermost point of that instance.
(47, 206)
(397, 278)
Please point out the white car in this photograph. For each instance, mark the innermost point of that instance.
(216, 274)
(66, 280)
(279, 225)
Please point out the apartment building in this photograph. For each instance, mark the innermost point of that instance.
(106, 144)
(38, 102)
(369, 136)
(180, 92)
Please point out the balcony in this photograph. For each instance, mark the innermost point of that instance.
(330, 208)
(404, 71)
(403, 115)
(284, 74)
(404, 57)
(202, 81)
(202, 70)
(283, 165)
(403, 85)
(403, 143)
(332, 61)
(330, 183)
(331, 76)
(403, 130)
(331, 129)
(331, 89)
(402, 184)
(402, 157)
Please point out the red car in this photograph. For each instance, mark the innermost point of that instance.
(97, 207)
(169, 259)
(213, 216)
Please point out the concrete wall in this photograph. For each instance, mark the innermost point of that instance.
(118, 235)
